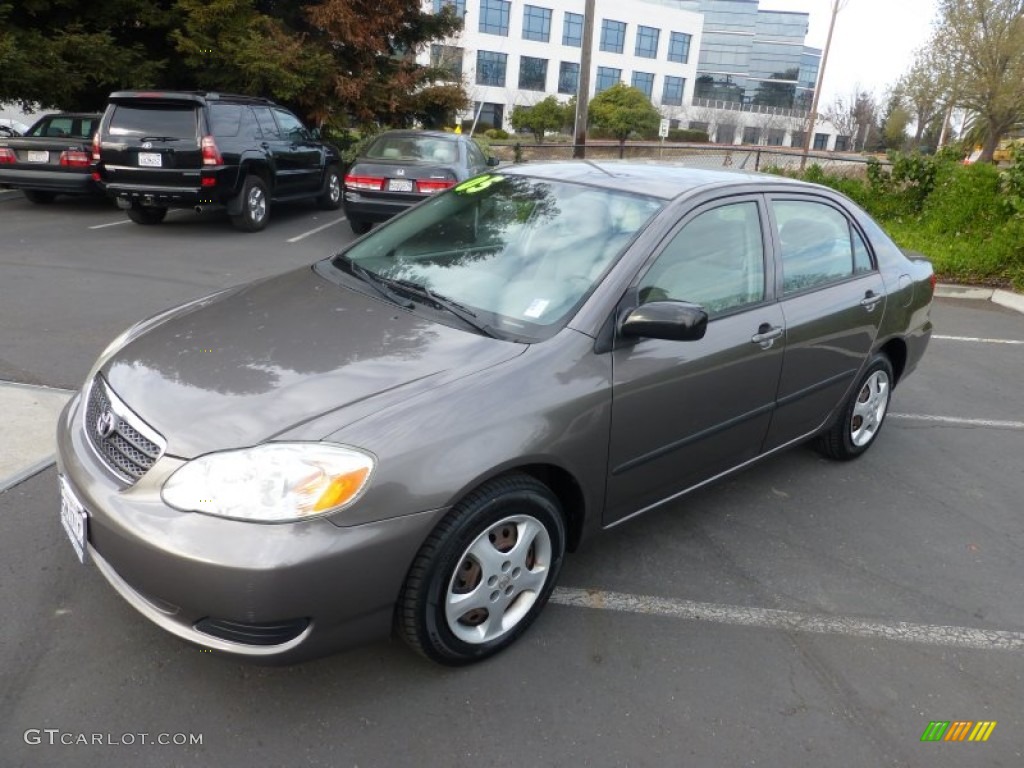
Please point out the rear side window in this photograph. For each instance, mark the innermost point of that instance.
(233, 120)
(175, 121)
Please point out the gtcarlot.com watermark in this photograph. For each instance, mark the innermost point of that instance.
(55, 736)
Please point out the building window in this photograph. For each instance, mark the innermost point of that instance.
(679, 47)
(458, 5)
(533, 73)
(821, 141)
(798, 139)
(490, 68)
(491, 115)
(494, 17)
(569, 77)
(447, 58)
(775, 137)
(607, 77)
(751, 135)
(672, 93)
(572, 30)
(644, 81)
(842, 143)
(613, 36)
(647, 42)
(536, 23)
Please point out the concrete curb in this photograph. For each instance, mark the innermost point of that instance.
(1008, 299)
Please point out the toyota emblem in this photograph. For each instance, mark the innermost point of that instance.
(147, 145)
(106, 423)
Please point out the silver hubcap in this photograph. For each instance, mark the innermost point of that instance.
(257, 204)
(334, 188)
(498, 579)
(869, 410)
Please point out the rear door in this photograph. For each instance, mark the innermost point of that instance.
(153, 142)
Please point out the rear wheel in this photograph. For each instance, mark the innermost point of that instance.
(359, 226)
(146, 214)
(36, 196)
(862, 415)
(330, 198)
(255, 206)
(484, 574)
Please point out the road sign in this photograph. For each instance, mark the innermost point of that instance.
(663, 128)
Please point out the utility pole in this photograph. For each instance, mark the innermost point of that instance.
(583, 92)
(817, 91)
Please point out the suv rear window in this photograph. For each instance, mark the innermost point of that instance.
(177, 121)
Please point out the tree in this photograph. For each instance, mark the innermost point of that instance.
(924, 89)
(622, 110)
(982, 41)
(895, 121)
(547, 115)
(854, 116)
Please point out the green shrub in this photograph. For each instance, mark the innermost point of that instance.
(965, 199)
(496, 134)
(685, 134)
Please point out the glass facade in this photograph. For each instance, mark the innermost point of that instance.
(536, 23)
(533, 73)
(679, 47)
(569, 77)
(672, 92)
(607, 77)
(647, 42)
(458, 5)
(613, 36)
(494, 17)
(644, 81)
(490, 68)
(447, 58)
(572, 30)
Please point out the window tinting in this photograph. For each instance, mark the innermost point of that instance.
(536, 23)
(816, 244)
(644, 81)
(533, 73)
(266, 121)
(606, 78)
(572, 30)
(672, 93)
(861, 255)
(613, 36)
(226, 119)
(494, 17)
(647, 42)
(568, 77)
(176, 121)
(716, 261)
(490, 68)
(679, 47)
(290, 125)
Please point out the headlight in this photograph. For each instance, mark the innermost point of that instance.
(272, 483)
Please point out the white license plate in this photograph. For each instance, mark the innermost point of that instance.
(400, 185)
(35, 156)
(74, 518)
(151, 159)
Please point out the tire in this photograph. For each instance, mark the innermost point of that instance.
(359, 226)
(330, 198)
(862, 415)
(484, 573)
(147, 215)
(255, 206)
(38, 197)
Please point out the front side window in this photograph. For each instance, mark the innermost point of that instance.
(533, 73)
(644, 81)
(613, 36)
(817, 245)
(291, 127)
(647, 42)
(490, 68)
(672, 93)
(521, 253)
(716, 260)
(568, 77)
(572, 30)
(536, 23)
(679, 47)
(607, 77)
(494, 17)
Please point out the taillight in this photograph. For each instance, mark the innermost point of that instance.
(374, 183)
(429, 186)
(96, 147)
(7, 155)
(211, 155)
(73, 158)
(933, 280)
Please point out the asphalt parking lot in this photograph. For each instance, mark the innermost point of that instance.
(802, 613)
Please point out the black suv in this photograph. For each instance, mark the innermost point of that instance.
(160, 150)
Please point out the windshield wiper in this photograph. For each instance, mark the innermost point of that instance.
(465, 314)
(159, 138)
(379, 284)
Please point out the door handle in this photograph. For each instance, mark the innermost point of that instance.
(870, 300)
(766, 335)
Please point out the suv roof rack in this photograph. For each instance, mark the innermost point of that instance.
(198, 96)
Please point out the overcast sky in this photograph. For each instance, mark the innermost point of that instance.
(874, 40)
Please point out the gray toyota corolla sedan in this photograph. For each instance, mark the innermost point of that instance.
(410, 435)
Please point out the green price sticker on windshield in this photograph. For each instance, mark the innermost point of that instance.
(479, 184)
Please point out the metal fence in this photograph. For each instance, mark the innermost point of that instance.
(744, 158)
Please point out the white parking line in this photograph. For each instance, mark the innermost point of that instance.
(111, 224)
(771, 618)
(953, 421)
(977, 340)
(322, 227)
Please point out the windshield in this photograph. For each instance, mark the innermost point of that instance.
(521, 253)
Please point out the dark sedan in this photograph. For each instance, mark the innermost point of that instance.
(412, 434)
(398, 169)
(54, 157)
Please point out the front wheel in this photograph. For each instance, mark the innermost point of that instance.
(485, 572)
(862, 415)
(146, 214)
(255, 206)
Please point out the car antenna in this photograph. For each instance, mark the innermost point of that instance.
(605, 171)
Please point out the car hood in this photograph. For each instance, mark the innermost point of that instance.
(283, 352)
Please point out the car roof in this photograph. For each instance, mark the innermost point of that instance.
(196, 96)
(655, 179)
(417, 133)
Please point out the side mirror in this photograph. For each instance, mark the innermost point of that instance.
(669, 320)
(492, 161)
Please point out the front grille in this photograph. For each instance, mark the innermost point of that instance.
(127, 447)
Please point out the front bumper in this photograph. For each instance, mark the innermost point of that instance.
(180, 569)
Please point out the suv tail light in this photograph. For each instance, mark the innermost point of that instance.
(73, 158)
(96, 147)
(7, 155)
(373, 183)
(430, 186)
(211, 155)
